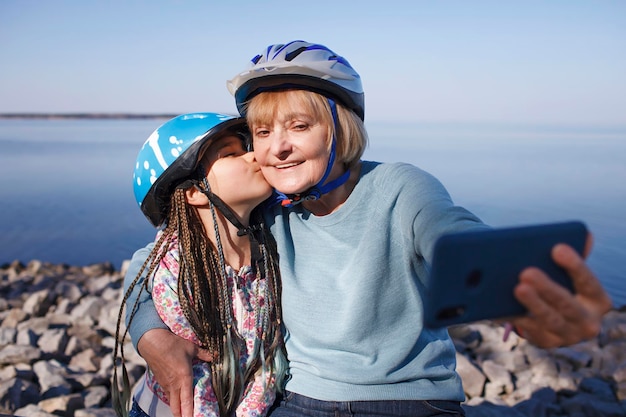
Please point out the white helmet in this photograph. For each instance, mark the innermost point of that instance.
(300, 65)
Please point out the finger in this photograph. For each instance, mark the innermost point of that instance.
(535, 333)
(186, 397)
(554, 317)
(588, 287)
(545, 299)
(205, 355)
(174, 397)
(566, 257)
(588, 245)
(538, 333)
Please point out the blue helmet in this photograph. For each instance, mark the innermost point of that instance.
(300, 65)
(170, 155)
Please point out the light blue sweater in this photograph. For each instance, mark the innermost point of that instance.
(352, 285)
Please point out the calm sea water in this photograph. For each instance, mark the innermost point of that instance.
(66, 191)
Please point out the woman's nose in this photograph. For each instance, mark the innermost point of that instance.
(280, 145)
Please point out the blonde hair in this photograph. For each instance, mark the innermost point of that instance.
(351, 135)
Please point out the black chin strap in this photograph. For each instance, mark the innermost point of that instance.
(253, 231)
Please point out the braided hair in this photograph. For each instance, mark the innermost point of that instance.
(206, 302)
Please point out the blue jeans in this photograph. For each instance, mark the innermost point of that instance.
(135, 411)
(296, 405)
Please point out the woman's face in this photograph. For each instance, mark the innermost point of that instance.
(292, 150)
(234, 175)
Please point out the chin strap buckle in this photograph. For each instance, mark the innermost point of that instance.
(250, 230)
(311, 195)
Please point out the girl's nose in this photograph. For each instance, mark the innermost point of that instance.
(248, 156)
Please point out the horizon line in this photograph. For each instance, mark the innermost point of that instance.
(87, 115)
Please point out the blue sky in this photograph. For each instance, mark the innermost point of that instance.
(541, 62)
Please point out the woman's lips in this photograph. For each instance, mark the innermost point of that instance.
(288, 165)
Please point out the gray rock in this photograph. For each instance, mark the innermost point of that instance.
(14, 317)
(16, 393)
(53, 341)
(578, 358)
(64, 405)
(95, 396)
(473, 379)
(7, 335)
(510, 361)
(545, 372)
(38, 303)
(619, 375)
(13, 354)
(69, 292)
(89, 306)
(37, 325)
(26, 337)
(8, 372)
(52, 379)
(498, 376)
(32, 410)
(85, 360)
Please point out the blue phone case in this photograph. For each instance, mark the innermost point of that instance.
(474, 273)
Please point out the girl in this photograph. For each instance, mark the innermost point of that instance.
(213, 271)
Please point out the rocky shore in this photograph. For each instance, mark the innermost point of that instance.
(57, 329)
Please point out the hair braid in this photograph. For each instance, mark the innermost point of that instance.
(206, 301)
(121, 398)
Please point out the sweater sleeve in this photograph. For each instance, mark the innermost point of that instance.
(428, 206)
(146, 318)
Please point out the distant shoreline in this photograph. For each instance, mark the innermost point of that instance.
(87, 116)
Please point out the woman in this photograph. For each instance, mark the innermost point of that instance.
(213, 270)
(355, 239)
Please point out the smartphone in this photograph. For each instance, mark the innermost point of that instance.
(473, 274)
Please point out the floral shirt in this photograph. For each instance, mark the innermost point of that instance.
(260, 393)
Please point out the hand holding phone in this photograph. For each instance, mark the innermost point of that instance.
(474, 273)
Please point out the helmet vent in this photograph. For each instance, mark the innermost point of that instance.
(293, 54)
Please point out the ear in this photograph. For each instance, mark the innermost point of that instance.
(195, 197)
